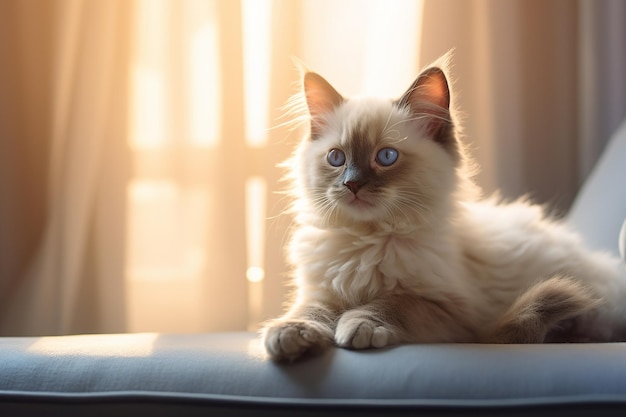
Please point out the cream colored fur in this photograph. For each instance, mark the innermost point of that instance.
(416, 256)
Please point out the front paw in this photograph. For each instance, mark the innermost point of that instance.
(290, 339)
(362, 333)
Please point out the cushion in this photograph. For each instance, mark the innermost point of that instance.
(228, 374)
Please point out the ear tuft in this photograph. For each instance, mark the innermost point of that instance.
(429, 96)
(321, 99)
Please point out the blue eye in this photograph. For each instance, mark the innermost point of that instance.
(387, 156)
(336, 157)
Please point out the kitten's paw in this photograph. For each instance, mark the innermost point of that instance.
(361, 333)
(289, 340)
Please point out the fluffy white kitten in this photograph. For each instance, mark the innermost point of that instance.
(392, 243)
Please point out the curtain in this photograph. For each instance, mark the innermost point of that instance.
(541, 84)
(139, 139)
(602, 84)
(62, 69)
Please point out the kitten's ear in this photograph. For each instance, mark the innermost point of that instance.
(321, 98)
(429, 98)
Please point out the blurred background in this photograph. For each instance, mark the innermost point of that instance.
(139, 138)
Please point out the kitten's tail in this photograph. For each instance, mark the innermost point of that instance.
(539, 309)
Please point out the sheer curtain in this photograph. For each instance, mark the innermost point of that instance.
(63, 66)
(139, 139)
(541, 84)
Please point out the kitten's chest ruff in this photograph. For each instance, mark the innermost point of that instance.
(359, 267)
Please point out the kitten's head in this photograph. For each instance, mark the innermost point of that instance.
(378, 161)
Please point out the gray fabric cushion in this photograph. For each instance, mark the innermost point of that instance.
(228, 374)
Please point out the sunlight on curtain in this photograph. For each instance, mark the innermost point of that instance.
(256, 23)
(165, 239)
(148, 113)
(175, 113)
(256, 192)
(189, 165)
(391, 56)
(203, 73)
(365, 46)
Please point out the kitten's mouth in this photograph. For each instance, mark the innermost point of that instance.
(356, 201)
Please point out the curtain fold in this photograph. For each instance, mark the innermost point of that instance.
(25, 36)
(602, 84)
(83, 76)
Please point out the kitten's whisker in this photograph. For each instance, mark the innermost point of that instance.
(387, 122)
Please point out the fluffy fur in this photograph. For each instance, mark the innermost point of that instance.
(387, 251)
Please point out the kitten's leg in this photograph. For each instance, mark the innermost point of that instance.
(363, 328)
(304, 330)
(542, 307)
(403, 318)
(368, 326)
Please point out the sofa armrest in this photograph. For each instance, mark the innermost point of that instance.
(600, 207)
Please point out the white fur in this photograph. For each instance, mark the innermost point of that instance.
(461, 260)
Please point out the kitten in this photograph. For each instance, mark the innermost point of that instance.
(393, 243)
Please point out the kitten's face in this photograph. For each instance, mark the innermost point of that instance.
(377, 160)
(374, 164)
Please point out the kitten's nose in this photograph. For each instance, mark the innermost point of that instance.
(354, 186)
